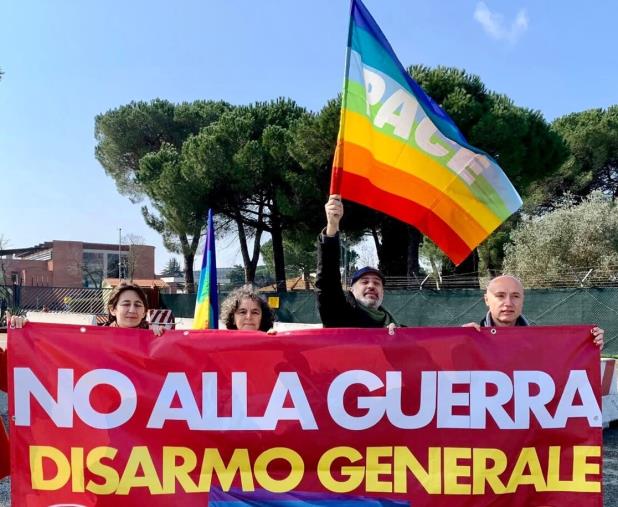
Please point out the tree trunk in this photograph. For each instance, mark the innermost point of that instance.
(394, 255)
(189, 280)
(467, 271)
(188, 254)
(242, 238)
(256, 246)
(307, 277)
(278, 257)
(376, 240)
(414, 243)
(249, 262)
(252, 268)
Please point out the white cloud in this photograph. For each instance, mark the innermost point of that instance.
(493, 23)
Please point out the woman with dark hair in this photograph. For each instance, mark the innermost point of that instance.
(245, 309)
(127, 307)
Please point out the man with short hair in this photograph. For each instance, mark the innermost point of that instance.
(504, 298)
(361, 306)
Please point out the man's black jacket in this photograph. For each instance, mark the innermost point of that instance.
(339, 308)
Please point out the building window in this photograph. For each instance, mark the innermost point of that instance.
(97, 265)
(92, 269)
(112, 266)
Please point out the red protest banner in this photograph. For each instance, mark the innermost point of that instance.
(430, 416)
(4, 442)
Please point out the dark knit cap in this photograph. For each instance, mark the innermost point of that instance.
(367, 270)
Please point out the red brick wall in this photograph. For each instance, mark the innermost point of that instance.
(30, 272)
(67, 259)
(144, 261)
(65, 267)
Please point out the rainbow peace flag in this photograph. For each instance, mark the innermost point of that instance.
(398, 152)
(207, 304)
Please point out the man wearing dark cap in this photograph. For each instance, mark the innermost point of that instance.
(361, 306)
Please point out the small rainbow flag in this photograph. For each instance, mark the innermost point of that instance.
(207, 304)
(237, 498)
(398, 152)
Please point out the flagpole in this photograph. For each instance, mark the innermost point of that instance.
(337, 169)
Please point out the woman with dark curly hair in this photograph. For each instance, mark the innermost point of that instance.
(245, 309)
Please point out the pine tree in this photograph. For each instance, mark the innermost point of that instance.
(172, 268)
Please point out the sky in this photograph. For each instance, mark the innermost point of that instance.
(65, 62)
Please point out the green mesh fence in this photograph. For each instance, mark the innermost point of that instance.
(182, 305)
(455, 307)
(297, 306)
(542, 307)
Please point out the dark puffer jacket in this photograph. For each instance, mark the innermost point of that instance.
(339, 308)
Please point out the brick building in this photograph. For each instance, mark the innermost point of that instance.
(75, 264)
